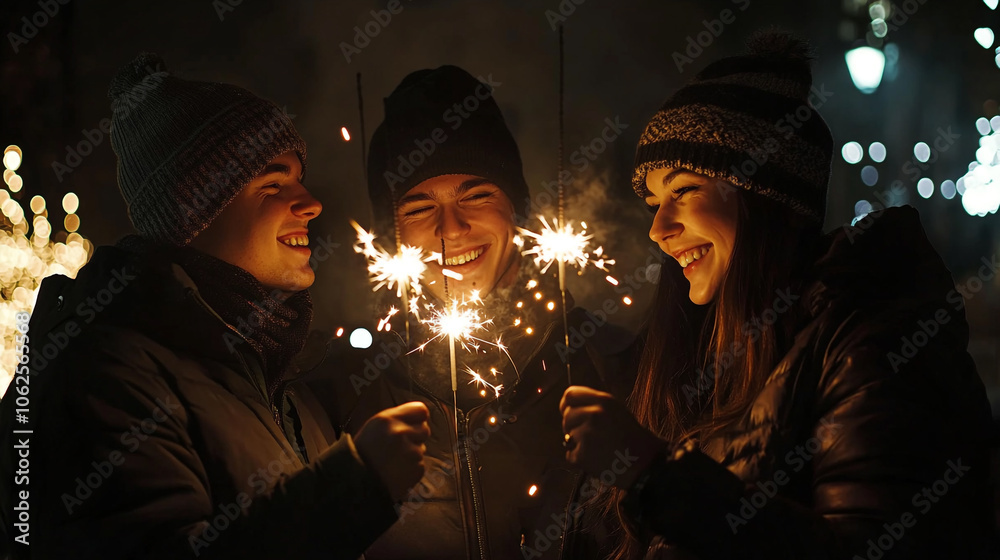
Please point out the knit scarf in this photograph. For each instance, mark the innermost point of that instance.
(274, 323)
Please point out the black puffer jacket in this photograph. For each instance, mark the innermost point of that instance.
(870, 438)
(502, 491)
(151, 439)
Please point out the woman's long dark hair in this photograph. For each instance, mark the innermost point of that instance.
(703, 365)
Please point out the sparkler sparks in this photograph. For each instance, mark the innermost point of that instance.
(405, 268)
(563, 244)
(476, 378)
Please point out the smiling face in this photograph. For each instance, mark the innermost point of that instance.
(264, 229)
(695, 223)
(476, 220)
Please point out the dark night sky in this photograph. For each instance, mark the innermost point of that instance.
(619, 64)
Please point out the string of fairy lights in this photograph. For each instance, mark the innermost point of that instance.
(31, 249)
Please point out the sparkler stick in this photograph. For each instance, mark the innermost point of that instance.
(451, 345)
(562, 219)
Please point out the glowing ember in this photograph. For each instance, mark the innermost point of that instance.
(476, 378)
(562, 244)
(384, 322)
(345, 133)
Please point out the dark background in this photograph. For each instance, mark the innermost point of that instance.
(618, 64)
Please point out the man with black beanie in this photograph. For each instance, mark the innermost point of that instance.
(445, 174)
(167, 422)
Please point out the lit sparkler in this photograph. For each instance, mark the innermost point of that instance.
(564, 245)
(402, 270)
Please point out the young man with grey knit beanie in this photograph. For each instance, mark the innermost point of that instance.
(166, 419)
(444, 173)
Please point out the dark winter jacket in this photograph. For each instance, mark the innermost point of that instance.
(869, 439)
(151, 439)
(501, 491)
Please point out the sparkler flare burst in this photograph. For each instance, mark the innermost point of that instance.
(405, 268)
(562, 244)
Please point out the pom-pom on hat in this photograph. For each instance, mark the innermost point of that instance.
(187, 148)
(748, 120)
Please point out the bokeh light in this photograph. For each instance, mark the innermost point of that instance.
(925, 187)
(852, 152)
(922, 151)
(877, 152)
(27, 258)
(869, 175)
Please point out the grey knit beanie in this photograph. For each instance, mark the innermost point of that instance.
(748, 120)
(186, 148)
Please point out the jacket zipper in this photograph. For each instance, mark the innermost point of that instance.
(472, 484)
(246, 368)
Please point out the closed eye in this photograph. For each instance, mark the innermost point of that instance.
(479, 196)
(417, 211)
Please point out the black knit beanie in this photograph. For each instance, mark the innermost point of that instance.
(440, 122)
(747, 120)
(186, 149)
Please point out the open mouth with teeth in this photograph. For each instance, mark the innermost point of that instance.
(467, 257)
(693, 255)
(296, 240)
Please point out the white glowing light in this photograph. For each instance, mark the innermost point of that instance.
(983, 125)
(866, 65)
(345, 134)
(563, 244)
(984, 36)
(991, 4)
(980, 187)
(405, 268)
(360, 338)
(948, 189)
(862, 207)
(12, 158)
(925, 187)
(852, 152)
(877, 151)
(922, 151)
